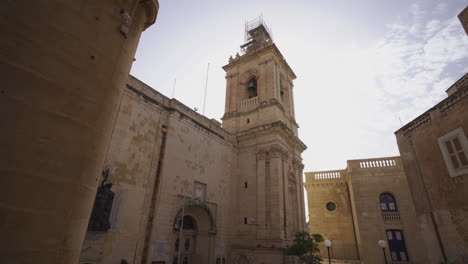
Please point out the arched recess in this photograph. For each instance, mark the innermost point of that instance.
(249, 80)
(388, 202)
(196, 204)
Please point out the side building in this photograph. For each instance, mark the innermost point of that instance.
(434, 151)
(356, 207)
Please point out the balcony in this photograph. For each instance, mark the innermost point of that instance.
(391, 218)
(250, 103)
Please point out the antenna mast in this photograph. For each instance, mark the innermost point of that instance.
(206, 87)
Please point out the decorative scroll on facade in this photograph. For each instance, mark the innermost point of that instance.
(100, 215)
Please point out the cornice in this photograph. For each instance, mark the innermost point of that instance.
(262, 105)
(443, 107)
(151, 7)
(278, 127)
(254, 54)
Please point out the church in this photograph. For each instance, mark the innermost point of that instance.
(178, 187)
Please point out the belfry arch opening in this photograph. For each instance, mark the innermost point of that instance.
(252, 88)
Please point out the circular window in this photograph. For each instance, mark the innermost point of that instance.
(331, 206)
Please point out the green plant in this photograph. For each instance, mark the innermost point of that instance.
(306, 247)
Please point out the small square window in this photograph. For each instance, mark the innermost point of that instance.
(398, 235)
(392, 206)
(389, 235)
(384, 206)
(403, 256)
(454, 148)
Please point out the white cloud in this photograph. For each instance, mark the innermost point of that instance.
(411, 69)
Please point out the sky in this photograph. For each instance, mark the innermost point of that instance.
(363, 67)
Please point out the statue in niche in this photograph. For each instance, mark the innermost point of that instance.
(100, 215)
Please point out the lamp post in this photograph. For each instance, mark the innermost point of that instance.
(328, 245)
(383, 245)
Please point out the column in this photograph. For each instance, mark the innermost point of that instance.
(64, 66)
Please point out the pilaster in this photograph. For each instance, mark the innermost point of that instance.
(262, 188)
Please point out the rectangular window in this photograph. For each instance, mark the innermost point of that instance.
(392, 206)
(384, 206)
(403, 256)
(199, 191)
(389, 235)
(454, 148)
(245, 220)
(398, 235)
(394, 255)
(456, 153)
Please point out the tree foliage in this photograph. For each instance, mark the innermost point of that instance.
(306, 247)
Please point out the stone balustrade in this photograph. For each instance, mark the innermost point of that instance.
(249, 103)
(327, 175)
(379, 163)
(391, 217)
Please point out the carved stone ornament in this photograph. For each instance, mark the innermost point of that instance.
(277, 152)
(200, 204)
(99, 220)
(261, 154)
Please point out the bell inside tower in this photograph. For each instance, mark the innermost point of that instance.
(252, 88)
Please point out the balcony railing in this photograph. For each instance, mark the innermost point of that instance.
(327, 175)
(391, 217)
(249, 103)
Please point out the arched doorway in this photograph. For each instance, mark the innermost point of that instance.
(185, 241)
(194, 242)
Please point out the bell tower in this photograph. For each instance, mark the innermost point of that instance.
(259, 87)
(267, 185)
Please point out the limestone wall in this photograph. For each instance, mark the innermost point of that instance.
(336, 225)
(196, 150)
(440, 200)
(367, 180)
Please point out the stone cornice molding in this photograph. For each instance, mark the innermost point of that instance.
(231, 75)
(151, 8)
(266, 61)
(425, 119)
(263, 104)
(274, 127)
(239, 59)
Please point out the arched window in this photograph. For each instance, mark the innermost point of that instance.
(388, 203)
(252, 88)
(189, 223)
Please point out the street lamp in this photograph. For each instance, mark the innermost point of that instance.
(383, 245)
(328, 245)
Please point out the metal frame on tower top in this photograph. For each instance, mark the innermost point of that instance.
(249, 25)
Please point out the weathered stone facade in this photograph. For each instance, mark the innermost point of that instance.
(358, 219)
(238, 186)
(437, 178)
(63, 68)
(463, 16)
